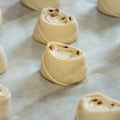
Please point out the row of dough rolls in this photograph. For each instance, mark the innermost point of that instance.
(3, 61)
(5, 95)
(39, 4)
(98, 107)
(108, 7)
(55, 25)
(5, 103)
(63, 64)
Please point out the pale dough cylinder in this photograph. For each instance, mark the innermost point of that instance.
(55, 26)
(39, 4)
(63, 64)
(5, 103)
(3, 61)
(0, 18)
(109, 7)
(98, 107)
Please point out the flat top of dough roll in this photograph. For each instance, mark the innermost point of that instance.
(55, 16)
(102, 103)
(62, 51)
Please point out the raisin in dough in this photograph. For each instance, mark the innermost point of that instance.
(63, 64)
(5, 103)
(55, 25)
(109, 7)
(0, 17)
(3, 61)
(98, 107)
(39, 4)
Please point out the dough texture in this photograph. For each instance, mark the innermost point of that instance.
(3, 61)
(55, 25)
(98, 107)
(109, 7)
(0, 17)
(5, 103)
(63, 64)
(39, 4)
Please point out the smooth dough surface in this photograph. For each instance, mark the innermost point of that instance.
(63, 64)
(39, 4)
(3, 61)
(5, 103)
(0, 18)
(98, 107)
(55, 25)
(109, 7)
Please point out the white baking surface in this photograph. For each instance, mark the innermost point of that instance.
(35, 98)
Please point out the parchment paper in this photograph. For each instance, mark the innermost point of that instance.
(35, 98)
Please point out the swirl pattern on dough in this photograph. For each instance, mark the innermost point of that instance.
(109, 7)
(39, 4)
(5, 103)
(98, 107)
(63, 64)
(3, 61)
(55, 25)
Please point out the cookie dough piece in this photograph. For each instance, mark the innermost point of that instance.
(0, 17)
(5, 103)
(63, 64)
(3, 61)
(98, 107)
(55, 25)
(39, 4)
(109, 7)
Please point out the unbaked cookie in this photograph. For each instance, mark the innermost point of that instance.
(109, 7)
(55, 25)
(39, 4)
(3, 61)
(63, 64)
(5, 103)
(98, 107)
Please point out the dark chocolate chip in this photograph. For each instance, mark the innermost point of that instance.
(94, 100)
(65, 46)
(77, 52)
(57, 10)
(100, 102)
(62, 18)
(50, 10)
(112, 104)
(70, 18)
(51, 47)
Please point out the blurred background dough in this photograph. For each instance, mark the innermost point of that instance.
(109, 7)
(39, 4)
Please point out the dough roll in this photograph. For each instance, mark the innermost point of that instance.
(109, 7)
(55, 25)
(39, 4)
(63, 64)
(5, 103)
(3, 61)
(98, 107)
